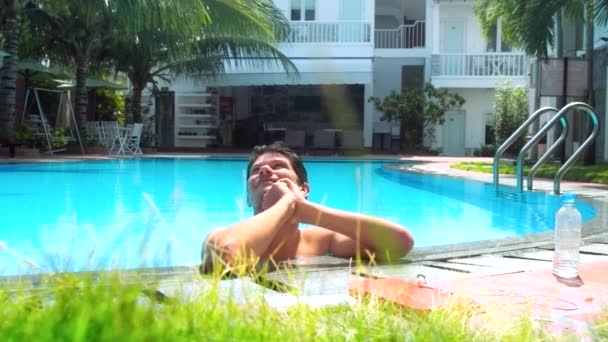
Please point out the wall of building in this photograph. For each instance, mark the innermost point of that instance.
(387, 76)
(479, 102)
(474, 40)
(329, 10)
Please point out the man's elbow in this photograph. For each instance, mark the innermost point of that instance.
(406, 243)
(214, 252)
(220, 252)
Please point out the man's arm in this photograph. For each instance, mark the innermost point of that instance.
(357, 233)
(249, 239)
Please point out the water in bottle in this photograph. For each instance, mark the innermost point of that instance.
(568, 224)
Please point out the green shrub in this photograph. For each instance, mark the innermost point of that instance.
(64, 141)
(109, 105)
(511, 107)
(24, 136)
(485, 151)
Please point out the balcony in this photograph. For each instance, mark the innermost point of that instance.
(339, 32)
(479, 69)
(404, 37)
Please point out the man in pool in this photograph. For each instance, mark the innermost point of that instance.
(277, 189)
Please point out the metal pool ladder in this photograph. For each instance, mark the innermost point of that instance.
(561, 117)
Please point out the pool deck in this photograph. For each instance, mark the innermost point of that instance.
(515, 264)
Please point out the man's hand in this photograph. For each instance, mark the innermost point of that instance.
(277, 191)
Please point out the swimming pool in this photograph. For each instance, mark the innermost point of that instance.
(156, 212)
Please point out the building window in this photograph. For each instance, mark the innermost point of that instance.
(495, 37)
(302, 10)
(412, 77)
(490, 129)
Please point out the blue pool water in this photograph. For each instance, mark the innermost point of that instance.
(157, 212)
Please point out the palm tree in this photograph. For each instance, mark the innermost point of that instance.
(238, 32)
(536, 25)
(11, 12)
(75, 32)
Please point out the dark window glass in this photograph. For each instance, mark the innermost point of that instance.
(492, 40)
(309, 9)
(296, 10)
(295, 15)
(309, 14)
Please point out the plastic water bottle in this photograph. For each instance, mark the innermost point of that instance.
(568, 223)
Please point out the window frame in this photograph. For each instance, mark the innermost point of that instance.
(302, 11)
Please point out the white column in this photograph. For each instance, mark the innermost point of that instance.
(436, 28)
(429, 19)
(368, 114)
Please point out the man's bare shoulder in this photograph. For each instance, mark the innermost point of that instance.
(315, 241)
(314, 232)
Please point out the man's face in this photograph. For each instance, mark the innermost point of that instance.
(265, 171)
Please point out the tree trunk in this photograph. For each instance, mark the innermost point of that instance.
(559, 33)
(536, 123)
(9, 74)
(559, 53)
(136, 104)
(590, 153)
(559, 48)
(82, 65)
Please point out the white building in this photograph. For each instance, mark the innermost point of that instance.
(347, 51)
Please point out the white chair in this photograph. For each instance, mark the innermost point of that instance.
(108, 133)
(94, 131)
(116, 136)
(133, 139)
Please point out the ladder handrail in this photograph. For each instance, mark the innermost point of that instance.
(594, 133)
(549, 152)
(519, 177)
(516, 136)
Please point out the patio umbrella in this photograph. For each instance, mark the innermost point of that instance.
(95, 83)
(32, 70)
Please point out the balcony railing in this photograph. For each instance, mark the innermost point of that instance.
(479, 65)
(346, 32)
(403, 37)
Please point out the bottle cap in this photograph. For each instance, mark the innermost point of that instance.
(569, 197)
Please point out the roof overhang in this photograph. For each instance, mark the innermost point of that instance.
(310, 71)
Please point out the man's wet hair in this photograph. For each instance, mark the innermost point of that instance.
(280, 148)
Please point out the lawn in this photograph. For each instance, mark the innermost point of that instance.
(578, 172)
(80, 308)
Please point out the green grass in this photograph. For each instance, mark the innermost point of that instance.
(600, 326)
(578, 172)
(78, 308)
